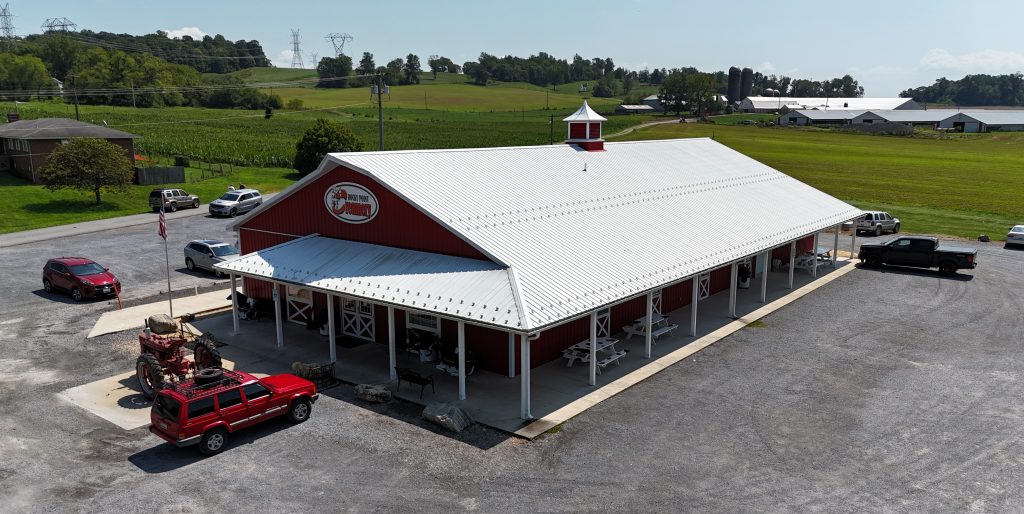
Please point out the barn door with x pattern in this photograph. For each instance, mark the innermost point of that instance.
(604, 322)
(300, 305)
(703, 286)
(656, 303)
(357, 319)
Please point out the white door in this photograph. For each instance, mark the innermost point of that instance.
(299, 305)
(357, 319)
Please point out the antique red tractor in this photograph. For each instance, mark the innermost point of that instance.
(162, 358)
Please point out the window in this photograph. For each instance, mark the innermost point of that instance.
(255, 390)
(423, 322)
(921, 245)
(200, 407)
(167, 407)
(229, 398)
(901, 244)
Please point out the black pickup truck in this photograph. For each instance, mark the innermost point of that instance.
(919, 252)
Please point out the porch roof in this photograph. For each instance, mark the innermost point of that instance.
(473, 290)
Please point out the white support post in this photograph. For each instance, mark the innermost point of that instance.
(835, 247)
(764, 276)
(695, 282)
(853, 241)
(511, 355)
(733, 284)
(647, 324)
(392, 358)
(332, 337)
(277, 316)
(234, 304)
(524, 378)
(593, 348)
(792, 262)
(814, 268)
(462, 360)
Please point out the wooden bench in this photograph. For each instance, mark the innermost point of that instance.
(413, 377)
(614, 357)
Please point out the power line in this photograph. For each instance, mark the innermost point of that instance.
(296, 50)
(46, 92)
(7, 26)
(338, 41)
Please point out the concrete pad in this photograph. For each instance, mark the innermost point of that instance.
(116, 399)
(135, 317)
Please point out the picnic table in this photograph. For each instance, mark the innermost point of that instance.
(607, 353)
(659, 327)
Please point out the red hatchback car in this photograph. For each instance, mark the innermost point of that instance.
(79, 276)
(206, 409)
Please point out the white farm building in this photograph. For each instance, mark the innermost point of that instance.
(777, 103)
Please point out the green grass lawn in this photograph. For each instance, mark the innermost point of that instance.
(28, 206)
(963, 186)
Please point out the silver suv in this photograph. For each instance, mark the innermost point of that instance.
(877, 222)
(204, 253)
(172, 199)
(236, 202)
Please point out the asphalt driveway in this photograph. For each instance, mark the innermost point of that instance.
(886, 390)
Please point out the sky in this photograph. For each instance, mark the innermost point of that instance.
(887, 46)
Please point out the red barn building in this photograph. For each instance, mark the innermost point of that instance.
(518, 253)
(27, 143)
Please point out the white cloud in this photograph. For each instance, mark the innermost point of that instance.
(283, 59)
(987, 60)
(194, 32)
(765, 67)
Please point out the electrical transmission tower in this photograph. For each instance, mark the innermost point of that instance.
(338, 41)
(7, 26)
(58, 25)
(296, 50)
(316, 58)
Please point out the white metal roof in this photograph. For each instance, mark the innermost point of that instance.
(774, 102)
(636, 107)
(994, 117)
(585, 113)
(914, 116)
(479, 291)
(837, 114)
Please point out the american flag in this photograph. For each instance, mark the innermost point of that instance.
(163, 223)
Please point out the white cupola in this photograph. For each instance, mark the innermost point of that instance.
(585, 128)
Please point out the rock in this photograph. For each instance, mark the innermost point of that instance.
(162, 324)
(447, 415)
(302, 369)
(983, 238)
(374, 393)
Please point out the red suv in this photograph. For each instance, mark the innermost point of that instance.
(81, 277)
(204, 410)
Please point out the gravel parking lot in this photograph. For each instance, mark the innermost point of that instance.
(888, 389)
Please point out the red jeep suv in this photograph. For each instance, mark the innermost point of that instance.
(79, 276)
(205, 409)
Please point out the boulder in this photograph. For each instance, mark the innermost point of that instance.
(447, 415)
(162, 324)
(374, 393)
(983, 238)
(302, 369)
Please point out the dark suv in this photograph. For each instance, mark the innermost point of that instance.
(79, 276)
(172, 199)
(206, 409)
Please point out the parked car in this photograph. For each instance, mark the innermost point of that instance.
(204, 253)
(206, 409)
(172, 199)
(236, 202)
(877, 222)
(1015, 236)
(79, 276)
(919, 252)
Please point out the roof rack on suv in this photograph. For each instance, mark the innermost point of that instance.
(190, 389)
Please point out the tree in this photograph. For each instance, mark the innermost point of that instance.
(322, 138)
(87, 165)
(366, 67)
(672, 93)
(698, 91)
(394, 70)
(411, 70)
(334, 68)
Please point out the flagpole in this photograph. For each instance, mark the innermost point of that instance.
(167, 262)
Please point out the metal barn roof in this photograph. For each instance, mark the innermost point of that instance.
(994, 117)
(578, 230)
(914, 116)
(585, 113)
(59, 128)
(836, 114)
(775, 102)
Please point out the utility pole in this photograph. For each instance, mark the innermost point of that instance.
(379, 88)
(132, 84)
(74, 84)
(551, 129)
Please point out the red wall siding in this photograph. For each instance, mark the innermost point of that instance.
(595, 130)
(396, 224)
(676, 297)
(577, 131)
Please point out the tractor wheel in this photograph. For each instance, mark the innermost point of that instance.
(300, 410)
(150, 374)
(213, 441)
(206, 354)
(208, 376)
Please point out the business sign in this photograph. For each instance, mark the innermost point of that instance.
(351, 203)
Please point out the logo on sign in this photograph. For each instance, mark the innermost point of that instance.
(351, 202)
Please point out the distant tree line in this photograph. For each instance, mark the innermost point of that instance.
(211, 54)
(972, 90)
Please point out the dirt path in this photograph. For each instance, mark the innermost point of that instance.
(640, 126)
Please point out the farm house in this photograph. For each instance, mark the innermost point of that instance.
(517, 255)
(25, 144)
